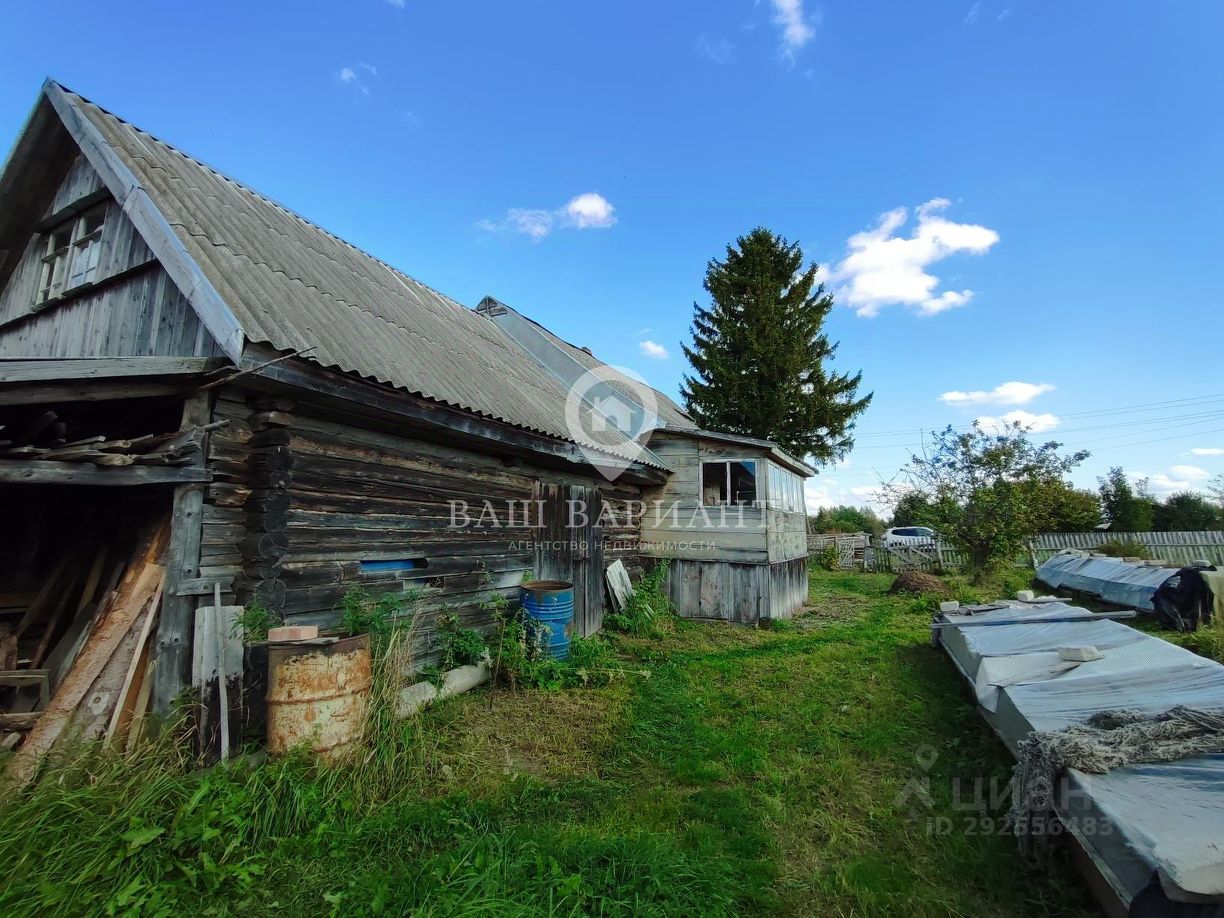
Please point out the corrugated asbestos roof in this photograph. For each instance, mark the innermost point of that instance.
(669, 412)
(295, 286)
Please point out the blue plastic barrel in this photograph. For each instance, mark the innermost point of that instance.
(550, 603)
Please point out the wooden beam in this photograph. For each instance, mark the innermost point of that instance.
(54, 370)
(76, 473)
(100, 391)
(172, 650)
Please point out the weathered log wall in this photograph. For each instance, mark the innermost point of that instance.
(373, 509)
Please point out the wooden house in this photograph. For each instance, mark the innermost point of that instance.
(730, 518)
(304, 417)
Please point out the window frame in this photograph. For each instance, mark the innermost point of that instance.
(81, 242)
(756, 477)
(785, 490)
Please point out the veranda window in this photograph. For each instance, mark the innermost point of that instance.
(733, 482)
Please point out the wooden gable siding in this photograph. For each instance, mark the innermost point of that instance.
(132, 309)
(81, 181)
(355, 495)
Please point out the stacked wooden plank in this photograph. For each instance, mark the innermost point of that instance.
(46, 439)
(88, 680)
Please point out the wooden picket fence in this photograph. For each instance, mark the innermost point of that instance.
(1169, 546)
(858, 551)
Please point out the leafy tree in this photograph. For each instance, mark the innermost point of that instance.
(846, 519)
(1215, 488)
(1127, 508)
(988, 493)
(911, 509)
(1071, 509)
(760, 355)
(1186, 512)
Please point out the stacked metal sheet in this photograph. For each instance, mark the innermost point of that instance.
(1123, 583)
(1154, 833)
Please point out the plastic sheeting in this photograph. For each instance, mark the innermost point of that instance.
(1123, 583)
(1153, 830)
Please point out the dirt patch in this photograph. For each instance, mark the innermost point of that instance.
(918, 582)
(832, 610)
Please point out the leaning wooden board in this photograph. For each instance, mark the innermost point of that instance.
(140, 582)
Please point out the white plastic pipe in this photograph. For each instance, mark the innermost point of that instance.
(459, 680)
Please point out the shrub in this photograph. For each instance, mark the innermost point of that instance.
(363, 613)
(253, 624)
(829, 557)
(1118, 548)
(458, 646)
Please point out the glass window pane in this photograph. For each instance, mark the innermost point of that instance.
(59, 239)
(93, 221)
(714, 483)
(743, 482)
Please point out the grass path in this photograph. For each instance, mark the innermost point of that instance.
(754, 771)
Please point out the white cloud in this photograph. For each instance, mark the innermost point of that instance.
(356, 76)
(719, 50)
(1008, 393)
(534, 223)
(883, 268)
(652, 350)
(1164, 484)
(1034, 423)
(826, 492)
(1189, 472)
(1207, 451)
(797, 27)
(974, 11)
(589, 210)
(1003, 15)
(398, 4)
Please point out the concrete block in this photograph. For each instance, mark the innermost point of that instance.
(949, 606)
(1025, 596)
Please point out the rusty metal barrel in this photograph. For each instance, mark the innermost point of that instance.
(318, 692)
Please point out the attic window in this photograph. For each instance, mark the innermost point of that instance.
(74, 250)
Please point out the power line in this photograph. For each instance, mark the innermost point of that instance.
(1187, 402)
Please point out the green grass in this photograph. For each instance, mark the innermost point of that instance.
(752, 771)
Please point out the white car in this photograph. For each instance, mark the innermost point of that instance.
(909, 537)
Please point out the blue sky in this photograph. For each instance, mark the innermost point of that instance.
(1001, 192)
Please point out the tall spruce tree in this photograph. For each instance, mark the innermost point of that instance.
(759, 354)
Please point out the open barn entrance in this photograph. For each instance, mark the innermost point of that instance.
(63, 553)
(86, 494)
